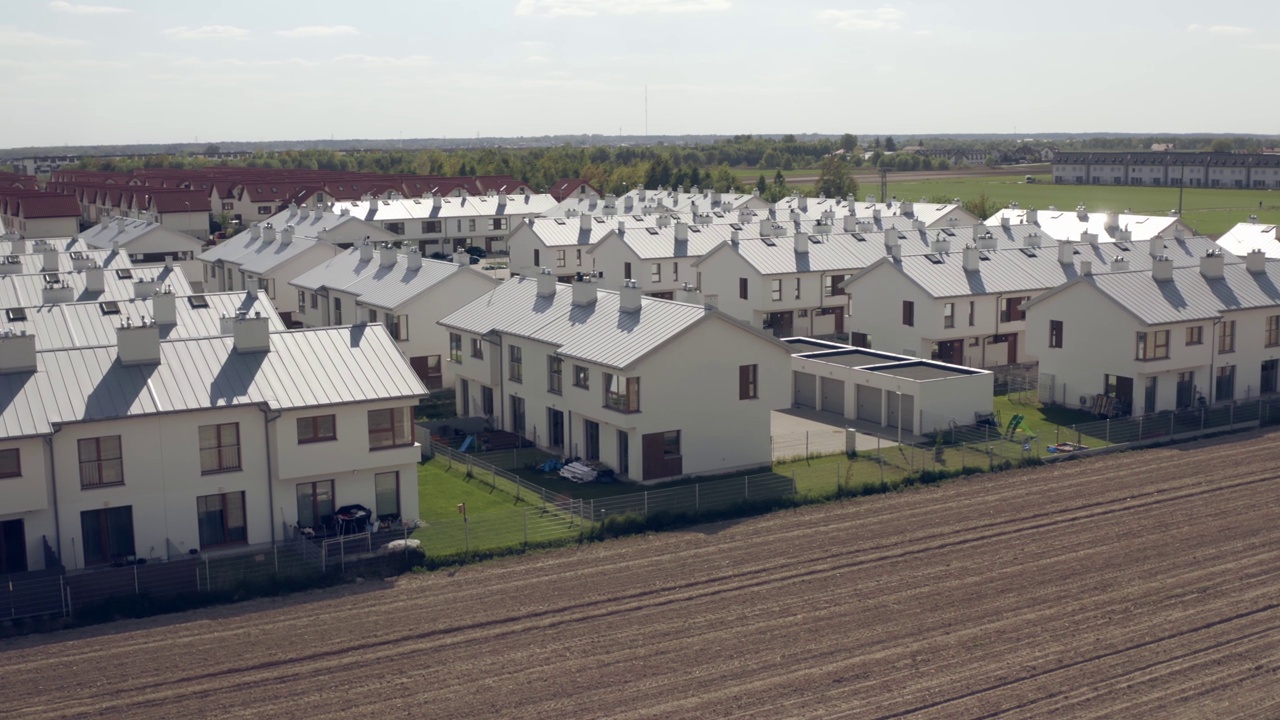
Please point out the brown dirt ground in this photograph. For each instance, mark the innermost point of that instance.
(1142, 584)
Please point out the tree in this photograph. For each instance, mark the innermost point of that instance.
(981, 206)
(836, 179)
(848, 142)
(890, 145)
(1222, 145)
(212, 149)
(762, 184)
(779, 179)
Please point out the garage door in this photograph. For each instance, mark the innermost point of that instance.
(806, 389)
(869, 399)
(900, 411)
(833, 395)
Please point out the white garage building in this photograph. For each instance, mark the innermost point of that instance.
(887, 390)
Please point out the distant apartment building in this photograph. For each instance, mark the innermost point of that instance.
(1162, 169)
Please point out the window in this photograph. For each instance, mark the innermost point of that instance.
(228, 206)
(1227, 338)
(486, 401)
(386, 495)
(315, 504)
(908, 313)
(655, 272)
(315, 303)
(555, 374)
(748, 388)
(671, 443)
(264, 209)
(455, 347)
(831, 285)
(390, 428)
(581, 377)
(1055, 333)
(107, 534)
(498, 224)
(15, 314)
(775, 289)
(516, 358)
(578, 258)
(626, 271)
(317, 428)
(621, 394)
(1195, 335)
(337, 311)
(10, 463)
(560, 258)
(948, 315)
(100, 462)
(517, 415)
(537, 255)
(373, 316)
(742, 288)
(221, 520)
(1152, 345)
(797, 289)
(1012, 311)
(432, 227)
(1273, 330)
(1224, 387)
(397, 325)
(972, 313)
(471, 225)
(302, 301)
(1149, 395)
(395, 228)
(219, 448)
(477, 348)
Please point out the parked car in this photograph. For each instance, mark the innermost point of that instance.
(476, 252)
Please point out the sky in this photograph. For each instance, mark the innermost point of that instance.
(161, 71)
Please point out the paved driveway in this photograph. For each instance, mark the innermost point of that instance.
(799, 432)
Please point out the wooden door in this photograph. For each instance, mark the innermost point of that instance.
(1013, 348)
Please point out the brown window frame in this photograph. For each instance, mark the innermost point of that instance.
(224, 457)
(748, 382)
(1055, 333)
(313, 429)
(96, 465)
(909, 313)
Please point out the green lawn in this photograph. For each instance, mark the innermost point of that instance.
(1209, 211)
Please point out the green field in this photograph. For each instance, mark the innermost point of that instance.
(1210, 211)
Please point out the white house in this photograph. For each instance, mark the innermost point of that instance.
(1163, 339)
(654, 389)
(963, 305)
(257, 438)
(89, 282)
(1106, 226)
(404, 292)
(146, 242)
(929, 215)
(264, 258)
(443, 224)
(338, 227)
(1249, 236)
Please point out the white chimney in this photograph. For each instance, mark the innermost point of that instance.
(366, 251)
(895, 250)
(1211, 264)
(985, 240)
(1066, 252)
(95, 278)
(584, 290)
(436, 201)
(1119, 263)
(802, 242)
(1155, 247)
(875, 213)
(387, 255)
(49, 260)
(226, 325)
(268, 233)
(17, 352)
(461, 258)
(1032, 240)
(1162, 268)
(57, 292)
(1004, 221)
(802, 203)
(255, 231)
(1123, 236)
(1089, 238)
(144, 288)
(1255, 261)
(664, 221)
(502, 200)
(906, 208)
(164, 307)
(286, 235)
(629, 297)
(584, 221)
(546, 283)
(304, 212)
(850, 223)
(1086, 267)
(251, 334)
(940, 245)
(971, 258)
(138, 344)
(120, 223)
(1112, 221)
(80, 261)
(682, 231)
(415, 258)
(345, 211)
(622, 227)
(1031, 217)
(1082, 213)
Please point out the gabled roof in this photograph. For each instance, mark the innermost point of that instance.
(373, 284)
(1252, 236)
(47, 205)
(305, 368)
(401, 209)
(314, 221)
(88, 324)
(179, 201)
(118, 284)
(111, 234)
(1069, 224)
(258, 256)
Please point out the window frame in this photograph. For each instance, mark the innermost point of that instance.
(223, 461)
(398, 430)
(1272, 325)
(748, 382)
(226, 526)
(775, 290)
(909, 313)
(949, 315)
(314, 429)
(455, 347)
(1227, 338)
(555, 374)
(621, 393)
(743, 289)
(515, 364)
(377, 495)
(582, 377)
(16, 454)
(100, 461)
(667, 443)
(477, 348)
(1056, 328)
(1195, 335)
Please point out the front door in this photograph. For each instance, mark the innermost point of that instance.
(464, 389)
(1013, 348)
(591, 439)
(1124, 395)
(13, 547)
(1149, 396)
(951, 351)
(429, 370)
(781, 322)
(1186, 389)
(624, 453)
(555, 428)
(1269, 375)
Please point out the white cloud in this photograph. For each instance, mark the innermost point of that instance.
(1221, 29)
(384, 61)
(617, 7)
(17, 37)
(74, 9)
(884, 18)
(182, 32)
(309, 31)
(535, 59)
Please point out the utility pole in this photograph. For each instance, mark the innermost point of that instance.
(884, 184)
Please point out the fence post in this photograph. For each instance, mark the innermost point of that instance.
(275, 558)
(1139, 427)
(526, 527)
(1231, 419)
(62, 590)
(466, 536)
(1201, 418)
(646, 503)
(746, 487)
(806, 444)
(208, 586)
(696, 501)
(1108, 437)
(880, 459)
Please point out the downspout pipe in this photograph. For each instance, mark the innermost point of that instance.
(53, 482)
(269, 416)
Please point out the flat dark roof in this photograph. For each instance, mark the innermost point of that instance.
(853, 357)
(922, 370)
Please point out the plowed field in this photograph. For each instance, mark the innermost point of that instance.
(1142, 585)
